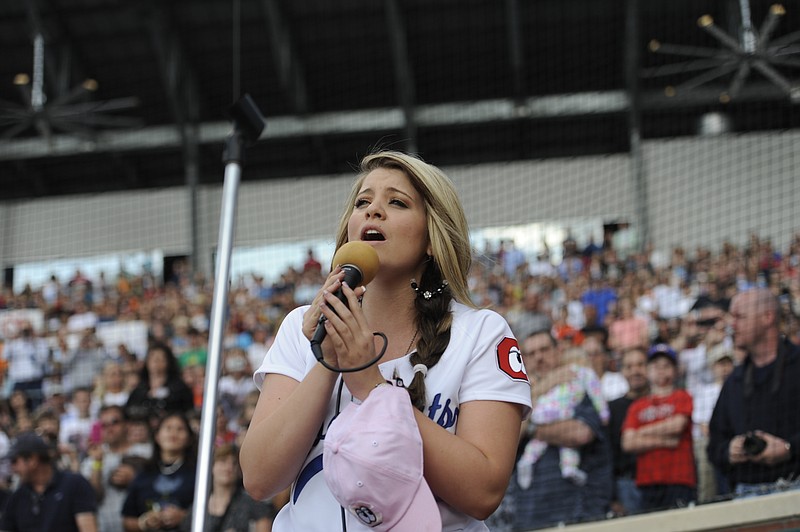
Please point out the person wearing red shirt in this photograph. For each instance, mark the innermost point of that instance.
(657, 429)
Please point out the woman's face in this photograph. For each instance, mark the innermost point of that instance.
(157, 361)
(113, 377)
(226, 470)
(389, 214)
(18, 400)
(173, 435)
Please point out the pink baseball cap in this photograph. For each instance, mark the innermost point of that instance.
(373, 464)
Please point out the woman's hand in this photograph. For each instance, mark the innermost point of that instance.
(171, 515)
(312, 316)
(150, 520)
(352, 340)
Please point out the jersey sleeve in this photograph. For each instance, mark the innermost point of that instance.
(290, 353)
(494, 371)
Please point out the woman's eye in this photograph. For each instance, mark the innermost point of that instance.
(398, 202)
(361, 202)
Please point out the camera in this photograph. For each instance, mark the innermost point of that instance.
(753, 445)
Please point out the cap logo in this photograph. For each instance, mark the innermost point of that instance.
(365, 514)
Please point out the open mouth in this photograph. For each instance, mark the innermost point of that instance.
(372, 235)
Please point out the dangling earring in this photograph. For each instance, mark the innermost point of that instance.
(427, 295)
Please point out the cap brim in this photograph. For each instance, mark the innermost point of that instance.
(423, 513)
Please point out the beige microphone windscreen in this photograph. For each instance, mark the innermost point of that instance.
(362, 256)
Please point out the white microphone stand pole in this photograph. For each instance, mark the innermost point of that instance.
(248, 124)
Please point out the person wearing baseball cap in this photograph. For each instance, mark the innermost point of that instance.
(373, 464)
(46, 499)
(662, 350)
(658, 429)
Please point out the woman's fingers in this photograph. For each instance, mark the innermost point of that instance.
(347, 326)
(311, 318)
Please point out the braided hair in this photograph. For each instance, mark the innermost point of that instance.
(451, 258)
(433, 322)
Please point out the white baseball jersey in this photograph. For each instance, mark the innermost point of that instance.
(481, 363)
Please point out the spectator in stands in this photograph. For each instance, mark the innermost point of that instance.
(627, 498)
(80, 287)
(541, 267)
(51, 290)
(706, 329)
(46, 499)
(513, 258)
(671, 301)
(82, 365)
(626, 329)
(27, 356)
(110, 388)
(83, 317)
(559, 404)
(709, 482)
(532, 316)
(48, 425)
(77, 422)
(755, 428)
(161, 388)
(132, 374)
(601, 296)
(658, 430)
(229, 506)
(236, 380)
(613, 384)
(196, 354)
(161, 495)
(20, 410)
(107, 469)
(311, 263)
(551, 498)
(139, 430)
(257, 350)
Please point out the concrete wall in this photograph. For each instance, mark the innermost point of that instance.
(701, 190)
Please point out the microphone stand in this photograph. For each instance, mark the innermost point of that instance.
(248, 123)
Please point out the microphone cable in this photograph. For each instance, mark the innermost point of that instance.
(316, 348)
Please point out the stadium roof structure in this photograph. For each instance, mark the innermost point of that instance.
(102, 95)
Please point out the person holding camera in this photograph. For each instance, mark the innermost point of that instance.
(754, 429)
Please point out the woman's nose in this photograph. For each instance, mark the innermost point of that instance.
(374, 210)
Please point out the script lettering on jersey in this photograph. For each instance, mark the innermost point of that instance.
(442, 414)
(656, 412)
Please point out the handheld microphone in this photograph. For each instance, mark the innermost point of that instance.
(360, 263)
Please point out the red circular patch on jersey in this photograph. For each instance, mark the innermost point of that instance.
(509, 359)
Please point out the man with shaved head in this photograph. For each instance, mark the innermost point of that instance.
(755, 427)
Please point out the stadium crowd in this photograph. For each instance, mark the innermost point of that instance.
(103, 407)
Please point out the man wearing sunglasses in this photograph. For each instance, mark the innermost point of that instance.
(47, 499)
(107, 466)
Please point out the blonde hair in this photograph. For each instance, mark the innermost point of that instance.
(448, 230)
(448, 233)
